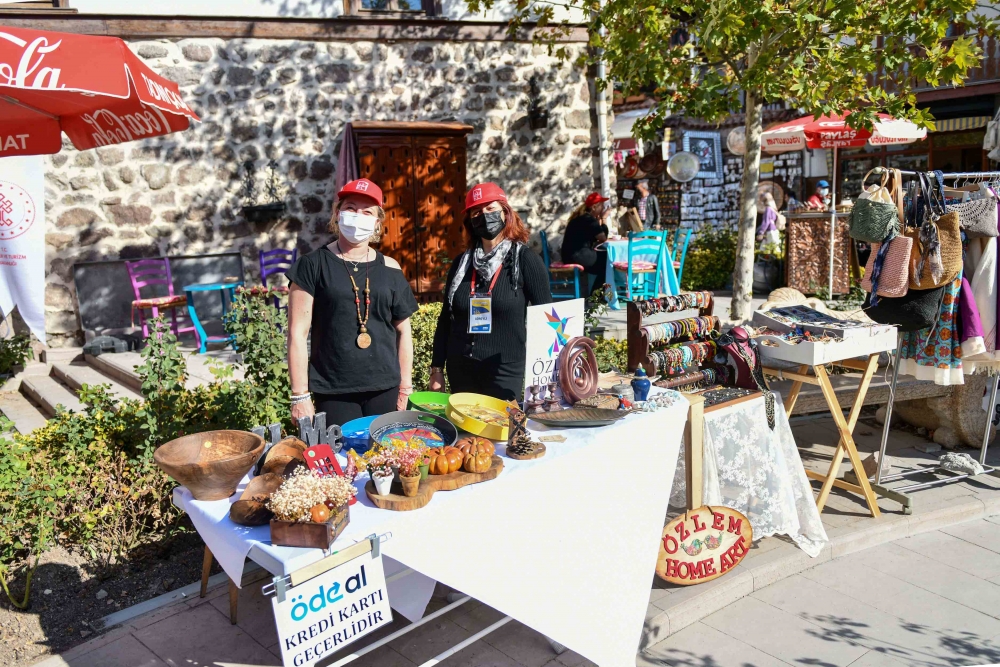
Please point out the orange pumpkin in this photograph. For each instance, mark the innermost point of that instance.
(471, 444)
(478, 462)
(444, 460)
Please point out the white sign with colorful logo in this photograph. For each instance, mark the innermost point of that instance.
(550, 327)
(326, 613)
(22, 240)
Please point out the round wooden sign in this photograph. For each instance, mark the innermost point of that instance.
(703, 544)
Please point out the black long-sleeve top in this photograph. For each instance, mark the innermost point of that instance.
(506, 343)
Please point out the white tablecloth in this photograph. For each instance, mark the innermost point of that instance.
(758, 472)
(566, 544)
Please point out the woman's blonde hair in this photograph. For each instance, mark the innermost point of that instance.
(334, 228)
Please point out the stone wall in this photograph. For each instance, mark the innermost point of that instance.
(289, 100)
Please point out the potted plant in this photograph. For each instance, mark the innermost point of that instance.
(408, 459)
(425, 467)
(380, 470)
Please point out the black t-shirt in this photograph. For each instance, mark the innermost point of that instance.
(505, 344)
(580, 233)
(336, 364)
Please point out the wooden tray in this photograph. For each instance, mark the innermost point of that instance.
(456, 480)
(537, 454)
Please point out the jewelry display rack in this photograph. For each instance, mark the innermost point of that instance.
(638, 342)
(901, 494)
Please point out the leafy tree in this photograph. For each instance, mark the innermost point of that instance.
(712, 58)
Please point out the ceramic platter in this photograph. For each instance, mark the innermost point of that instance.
(578, 417)
(412, 427)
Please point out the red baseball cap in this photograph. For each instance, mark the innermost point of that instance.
(363, 188)
(594, 198)
(484, 193)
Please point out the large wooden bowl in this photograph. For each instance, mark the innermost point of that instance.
(210, 464)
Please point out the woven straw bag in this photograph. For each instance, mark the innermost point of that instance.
(894, 281)
(877, 213)
(977, 217)
(951, 253)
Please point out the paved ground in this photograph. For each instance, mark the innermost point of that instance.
(922, 601)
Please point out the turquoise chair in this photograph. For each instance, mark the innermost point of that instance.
(564, 279)
(639, 277)
(679, 263)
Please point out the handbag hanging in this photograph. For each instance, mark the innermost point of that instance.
(744, 360)
(918, 309)
(894, 276)
(936, 257)
(877, 213)
(978, 217)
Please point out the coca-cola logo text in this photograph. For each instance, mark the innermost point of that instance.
(110, 128)
(164, 94)
(29, 73)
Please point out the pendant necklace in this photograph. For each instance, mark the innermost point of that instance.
(364, 339)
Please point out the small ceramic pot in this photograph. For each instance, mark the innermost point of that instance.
(425, 470)
(640, 385)
(410, 485)
(382, 484)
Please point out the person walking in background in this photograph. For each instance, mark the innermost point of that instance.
(585, 230)
(768, 235)
(648, 207)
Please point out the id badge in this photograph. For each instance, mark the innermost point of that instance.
(480, 314)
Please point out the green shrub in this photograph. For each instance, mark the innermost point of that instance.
(15, 351)
(710, 260)
(424, 324)
(611, 353)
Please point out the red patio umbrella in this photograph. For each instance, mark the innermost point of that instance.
(92, 88)
(833, 132)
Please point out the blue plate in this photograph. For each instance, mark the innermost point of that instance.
(356, 434)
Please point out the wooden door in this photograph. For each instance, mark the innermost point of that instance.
(421, 169)
(439, 168)
(388, 161)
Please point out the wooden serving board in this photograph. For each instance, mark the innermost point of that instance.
(456, 480)
(537, 454)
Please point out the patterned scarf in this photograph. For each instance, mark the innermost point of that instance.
(486, 263)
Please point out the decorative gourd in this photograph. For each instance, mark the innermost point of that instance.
(444, 460)
(478, 462)
(470, 444)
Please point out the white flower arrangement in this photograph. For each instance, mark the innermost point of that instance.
(304, 490)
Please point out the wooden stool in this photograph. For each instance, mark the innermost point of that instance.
(846, 444)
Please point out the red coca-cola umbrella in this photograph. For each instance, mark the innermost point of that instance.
(92, 88)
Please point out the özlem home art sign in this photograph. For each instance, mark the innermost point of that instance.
(703, 544)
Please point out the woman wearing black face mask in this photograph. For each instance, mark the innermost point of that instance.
(481, 332)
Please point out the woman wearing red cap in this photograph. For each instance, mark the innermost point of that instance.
(481, 337)
(586, 229)
(358, 304)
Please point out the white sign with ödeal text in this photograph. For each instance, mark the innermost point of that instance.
(22, 240)
(323, 615)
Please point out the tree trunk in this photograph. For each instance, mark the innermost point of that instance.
(743, 271)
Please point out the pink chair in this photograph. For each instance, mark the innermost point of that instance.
(146, 272)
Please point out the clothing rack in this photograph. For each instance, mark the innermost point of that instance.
(901, 494)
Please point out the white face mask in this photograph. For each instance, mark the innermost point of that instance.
(355, 227)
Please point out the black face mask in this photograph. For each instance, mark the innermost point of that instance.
(488, 225)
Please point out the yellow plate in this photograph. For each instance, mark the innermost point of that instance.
(458, 416)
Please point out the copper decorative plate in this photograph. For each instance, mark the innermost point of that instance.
(578, 417)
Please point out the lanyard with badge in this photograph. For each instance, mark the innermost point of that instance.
(481, 306)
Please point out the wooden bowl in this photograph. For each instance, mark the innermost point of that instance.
(251, 508)
(285, 457)
(210, 464)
